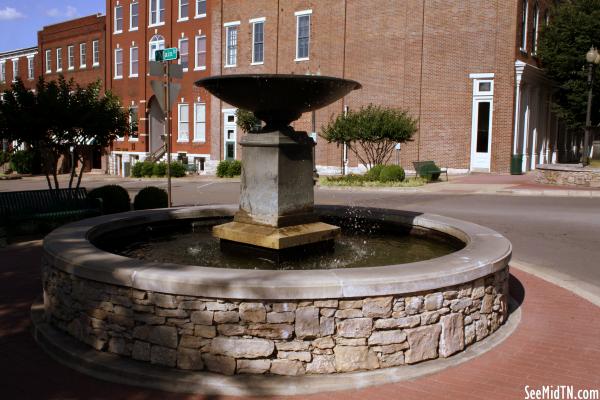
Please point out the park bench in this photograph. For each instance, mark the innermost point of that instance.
(46, 207)
(428, 170)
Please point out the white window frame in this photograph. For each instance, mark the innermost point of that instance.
(196, 53)
(48, 61)
(160, 13)
(254, 22)
(59, 59)
(180, 123)
(95, 50)
(131, 62)
(525, 23)
(179, 8)
(115, 20)
(299, 14)
(203, 15)
(3, 71)
(160, 44)
(536, 28)
(30, 68)
(131, 14)
(82, 55)
(129, 119)
(184, 39)
(199, 138)
(15, 71)
(70, 55)
(117, 76)
(229, 26)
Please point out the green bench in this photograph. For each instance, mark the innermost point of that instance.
(428, 170)
(29, 211)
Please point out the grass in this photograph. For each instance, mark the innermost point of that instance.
(361, 181)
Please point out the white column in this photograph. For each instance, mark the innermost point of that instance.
(526, 120)
(555, 129)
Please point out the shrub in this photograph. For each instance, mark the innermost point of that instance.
(159, 169)
(392, 173)
(115, 198)
(147, 168)
(234, 168)
(222, 168)
(177, 169)
(22, 161)
(150, 197)
(136, 170)
(374, 173)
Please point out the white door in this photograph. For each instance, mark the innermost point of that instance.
(229, 134)
(481, 128)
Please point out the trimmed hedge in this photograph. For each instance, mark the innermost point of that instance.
(392, 173)
(150, 197)
(148, 168)
(115, 198)
(374, 173)
(229, 169)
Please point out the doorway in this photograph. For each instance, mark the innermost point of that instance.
(481, 128)
(230, 134)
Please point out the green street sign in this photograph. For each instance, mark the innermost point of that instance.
(166, 54)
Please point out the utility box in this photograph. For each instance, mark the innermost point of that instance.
(516, 164)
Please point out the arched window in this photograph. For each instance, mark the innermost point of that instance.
(156, 43)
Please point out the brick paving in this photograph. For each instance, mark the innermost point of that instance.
(557, 343)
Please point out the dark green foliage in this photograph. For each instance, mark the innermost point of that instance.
(222, 168)
(247, 121)
(136, 170)
(374, 172)
(177, 169)
(234, 168)
(371, 133)
(147, 168)
(22, 161)
(574, 27)
(115, 198)
(159, 169)
(392, 173)
(150, 197)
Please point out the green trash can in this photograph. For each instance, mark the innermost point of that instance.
(516, 164)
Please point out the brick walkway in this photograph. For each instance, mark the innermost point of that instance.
(557, 343)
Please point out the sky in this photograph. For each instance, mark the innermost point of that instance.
(21, 19)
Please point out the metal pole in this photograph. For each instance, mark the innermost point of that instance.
(168, 125)
(585, 160)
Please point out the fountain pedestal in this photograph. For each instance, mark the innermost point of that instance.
(277, 198)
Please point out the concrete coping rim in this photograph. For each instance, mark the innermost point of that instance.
(567, 168)
(70, 250)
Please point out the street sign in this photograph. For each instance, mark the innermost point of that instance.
(169, 54)
(158, 87)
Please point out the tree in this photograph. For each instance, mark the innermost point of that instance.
(573, 29)
(371, 133)
(247, 120)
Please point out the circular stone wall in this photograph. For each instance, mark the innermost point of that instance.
(567, 175)
(277, 322)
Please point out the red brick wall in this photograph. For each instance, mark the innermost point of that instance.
(22, 56)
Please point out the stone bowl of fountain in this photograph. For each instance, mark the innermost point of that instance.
(274, 295)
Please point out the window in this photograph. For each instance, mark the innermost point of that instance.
(303, 34)
(258, 41)
(534, 33)
(133, 62)
(3, 71)
(133, 122)
(200, 52)
(133, 16)
(524, 26)
(58, 59)
(82, 54)
(231, 44)
(48, 61)
(183, 10)
(96, 51)
(156, 43)
(184, 53)
(200, 8)
(15, 63)
(157, 12)
(71, 57)
(118, 28)
(183, 116)
(30, 68)
(118, 63)
(199, 122)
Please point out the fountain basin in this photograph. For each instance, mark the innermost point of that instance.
(275, 322)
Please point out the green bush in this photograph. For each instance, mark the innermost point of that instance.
(177, 169)
(159, 169)
(22, 161)
(136, 170)
(374, 173)
(392, 173)
(234, 168)
(150, 197)
(115, 198)
(222, 168)
(147, 168)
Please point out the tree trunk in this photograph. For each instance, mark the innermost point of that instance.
(73, 166)
(80, 173)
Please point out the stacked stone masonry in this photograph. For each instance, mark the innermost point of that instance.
(569, 177)
(293, 337)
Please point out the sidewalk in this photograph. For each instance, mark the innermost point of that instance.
(556, 343)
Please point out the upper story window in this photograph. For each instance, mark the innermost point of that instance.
(524, 18)
(96, 51)
(30, 68)
(59, 59)
(231, 36)
(199, 122)
(118, 63)
(183, 131)
(15, 66)
(133, 122)
(133, 16)
(156, 43)
(534, 33)
(2, 71)
(184, 10)
(71, 57)
(157, 12)
(303, 35)
(82, 55)
(258, 40)
(134, 62)
(118, 25)
(184, 59)
(48, 61)
(200, 8)
(200, 53)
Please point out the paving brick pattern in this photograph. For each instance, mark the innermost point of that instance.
(557, 343)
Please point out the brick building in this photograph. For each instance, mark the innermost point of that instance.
(23, 63)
